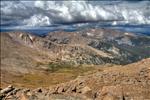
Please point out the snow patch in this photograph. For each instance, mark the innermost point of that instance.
(90, 34)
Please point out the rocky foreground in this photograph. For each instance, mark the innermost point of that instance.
(129, 82)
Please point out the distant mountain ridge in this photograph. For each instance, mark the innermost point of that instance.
(90, 46)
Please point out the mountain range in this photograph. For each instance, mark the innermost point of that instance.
(90, 46)
(85, 65)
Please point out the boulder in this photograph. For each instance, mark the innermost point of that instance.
(7, 89)
(111, 93)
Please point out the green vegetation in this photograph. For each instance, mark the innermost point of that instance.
(53, 67)
(68, 68)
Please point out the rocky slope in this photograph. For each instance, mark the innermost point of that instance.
(129, 82)
(15, 57)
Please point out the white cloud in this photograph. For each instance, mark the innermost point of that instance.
(37, 20)
(43, 13)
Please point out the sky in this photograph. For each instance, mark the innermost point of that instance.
(125, 15)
